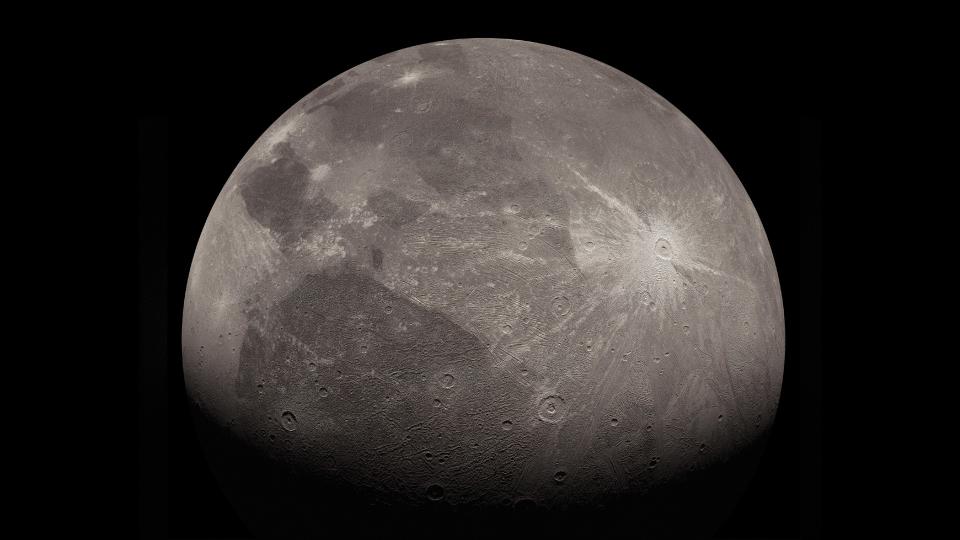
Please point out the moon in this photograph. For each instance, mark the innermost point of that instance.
(483, 277)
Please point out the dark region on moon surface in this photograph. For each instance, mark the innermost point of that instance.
(342, 313)
(275, 196)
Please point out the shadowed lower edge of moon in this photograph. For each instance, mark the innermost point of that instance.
(279, 499)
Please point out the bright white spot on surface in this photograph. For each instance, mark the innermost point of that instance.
(409, 77)
(319, 172)
(281, 133)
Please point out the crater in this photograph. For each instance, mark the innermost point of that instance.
(663, 249)
(552, 409)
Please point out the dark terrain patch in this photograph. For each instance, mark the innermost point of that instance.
(450, 56)
(463, 145)
(323, 313)
(376, 256)
(359, 114)
(274, 195)
(316, 99)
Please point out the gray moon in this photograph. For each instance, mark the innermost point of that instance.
(482, 276)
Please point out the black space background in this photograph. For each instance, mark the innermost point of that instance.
(202, 103)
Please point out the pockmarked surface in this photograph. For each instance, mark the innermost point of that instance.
(484, 273)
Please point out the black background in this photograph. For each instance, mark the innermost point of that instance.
(202, 102)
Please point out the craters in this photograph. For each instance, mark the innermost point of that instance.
(507, 425)
(448, 381)
(614, 422)
(506, 329)
(552, 409)
(647, 300)
(435, 492)
(663, 249)
(522, 245)
(654, 461)
(561, 305)
(409, 77)
(559, 477)
(288, 421)
(323, 392)
(513, 209)
(423, 107)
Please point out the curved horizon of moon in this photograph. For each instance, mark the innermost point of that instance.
(480, 271)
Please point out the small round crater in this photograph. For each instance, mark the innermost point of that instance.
(434, 492)
(363, 349)
(288, 421)
(447, 381)
(663, 249)
(507, 425)
(507, 329)
(645, 298)
(561, 305)
(388, 309)
(324, 392)
(422, 107)
(559, 477)
(614, 422)
(523, 245)
(436, 403)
